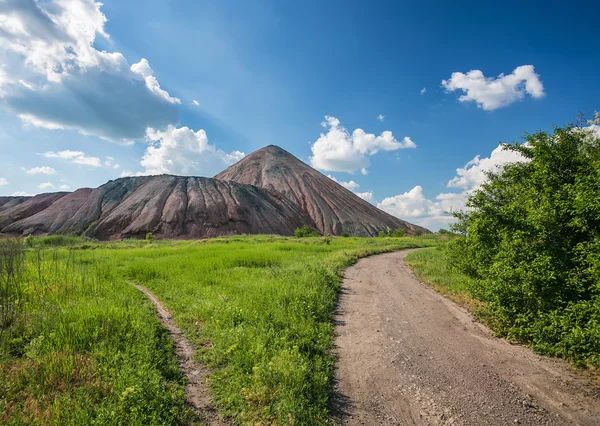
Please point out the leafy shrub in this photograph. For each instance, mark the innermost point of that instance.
(306, 231)
(399, 232)
(149, 236)
(531, 241)
(345, 234)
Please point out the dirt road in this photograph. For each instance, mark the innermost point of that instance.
(409, 356)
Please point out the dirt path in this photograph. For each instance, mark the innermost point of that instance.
(409, 356)
(196, 389)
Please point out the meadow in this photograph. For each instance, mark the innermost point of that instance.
(80, 345)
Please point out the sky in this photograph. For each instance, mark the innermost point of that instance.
(403, 103)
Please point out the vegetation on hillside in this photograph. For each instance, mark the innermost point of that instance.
(306, 231)
(530, 246)
(85, 347)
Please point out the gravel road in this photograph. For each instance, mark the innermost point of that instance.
(409, 356)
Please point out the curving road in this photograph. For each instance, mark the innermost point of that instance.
(409, 356)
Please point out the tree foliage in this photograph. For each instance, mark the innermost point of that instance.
(306, 231)
(531, 240)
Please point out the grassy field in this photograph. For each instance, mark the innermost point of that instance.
(79, 345)
(433, 266)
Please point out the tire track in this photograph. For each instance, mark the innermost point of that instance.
(196, 390)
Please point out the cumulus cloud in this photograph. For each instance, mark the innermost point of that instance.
(143, 68)
(339, 151)
(492, 93)
(46, 185)
(433, 213)
(183, 151)
(3, 182)
(75, 157)
(54, 77)
(423, 90)
(473, 174)
(64, 187)
(410, 204)
(416, 208)
(44, 170)
(367, 196)
(196, 103)
(381, 118)
(351, 185)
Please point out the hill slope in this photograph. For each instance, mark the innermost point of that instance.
(168, 206)
(332, 208)
(268, 192)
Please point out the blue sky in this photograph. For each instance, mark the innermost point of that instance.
(390, 98)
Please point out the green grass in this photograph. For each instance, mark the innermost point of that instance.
(82, 347)
(259, 308)
(433, 266)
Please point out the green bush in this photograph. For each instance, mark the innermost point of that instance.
(531, 241)
(306, 231)
(399, 232)
(345, 234)
(149, 236)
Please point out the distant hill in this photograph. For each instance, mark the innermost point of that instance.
(268, 192)
(332, 208)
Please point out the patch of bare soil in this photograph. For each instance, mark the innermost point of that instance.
(409, 356)
(196, 389)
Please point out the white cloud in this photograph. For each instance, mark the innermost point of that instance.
(381, 118)
(351, 185)
(423, 90)
(195, 102)
(64, 187)
(340, 151)
(367, 196)
(410, 204)
(183, 151)
(54, 77)
(21, 194)
(44, 170)
(46, 185)
(474, 172)
(493, 93)
(76, 157)
(415, 207)
(143, 68)
(3, 182)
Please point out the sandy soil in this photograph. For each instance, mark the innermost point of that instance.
(195, 389)
(409, 356)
